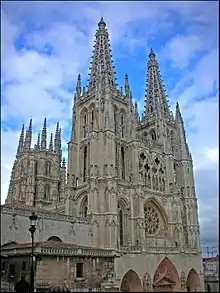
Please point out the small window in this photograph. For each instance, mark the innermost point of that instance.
(79, 270)
(11, 270)
(23, 267)
(77, 181)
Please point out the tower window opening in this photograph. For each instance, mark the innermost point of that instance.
(122, 163)
(153, 135)
(84, 163)
(77, 181)
(47, 168)
(92, 120)
(121, 227)
(122, 126)
(115, 120)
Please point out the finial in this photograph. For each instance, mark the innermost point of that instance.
(102, 23)
(151, 52)
(64, 162)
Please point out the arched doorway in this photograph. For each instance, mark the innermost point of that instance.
(166, 278)
(131, 282)
(193, 283)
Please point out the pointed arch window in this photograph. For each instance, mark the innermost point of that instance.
(121, 232)
(122, 125)
(122, 163)
(84, 208)
(84, 125)
(115, 120)
(92, 119)
(46, 191)
(84, 163)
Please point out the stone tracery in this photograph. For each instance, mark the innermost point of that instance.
(152, 174)
(152, 221)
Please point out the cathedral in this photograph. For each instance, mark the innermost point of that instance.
(121, 214)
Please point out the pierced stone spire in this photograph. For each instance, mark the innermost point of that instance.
(127, 88)
(51, 143)
(183, 148)
(21, 141)
(102, 58)
(78, 86)
(44, 135)
(28, 136)
(156, 103)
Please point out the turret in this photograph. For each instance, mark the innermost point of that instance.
(51, 143)
(44, 135)
(127, 88)
(21, 141)
(28, 137)
(78, 86)
(57, 142)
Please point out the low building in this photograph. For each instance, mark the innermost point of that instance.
(57, 263)
(211, 273)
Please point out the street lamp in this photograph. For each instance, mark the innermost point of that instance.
(33, 220)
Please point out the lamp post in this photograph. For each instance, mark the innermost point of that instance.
(33, 220)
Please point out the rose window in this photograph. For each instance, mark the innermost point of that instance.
(152, 221)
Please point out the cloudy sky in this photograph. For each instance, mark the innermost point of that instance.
(46, 44)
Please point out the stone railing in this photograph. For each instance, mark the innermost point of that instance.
(150, 144)
(45, 215)
(71, 251)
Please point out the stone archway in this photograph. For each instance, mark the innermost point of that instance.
(193, 282)
(131, 282)
(166, 278)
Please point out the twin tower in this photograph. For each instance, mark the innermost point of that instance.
(120, 168)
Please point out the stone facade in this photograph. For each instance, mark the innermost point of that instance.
(128, 187)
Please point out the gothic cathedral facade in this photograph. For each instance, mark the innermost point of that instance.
(131, 178)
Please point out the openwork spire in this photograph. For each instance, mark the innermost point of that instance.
(101, 59)
(156, 103)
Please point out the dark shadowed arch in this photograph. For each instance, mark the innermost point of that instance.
(54, 238)
(131, 282)
(193, 282)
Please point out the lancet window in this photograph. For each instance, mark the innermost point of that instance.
(115, 120)
(122, 163)
(85, 155)
(84, 207)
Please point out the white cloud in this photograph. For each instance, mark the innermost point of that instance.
(182, 49)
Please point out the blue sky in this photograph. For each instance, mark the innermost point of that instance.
(46, 44)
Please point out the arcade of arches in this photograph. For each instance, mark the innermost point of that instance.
(165, 279)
